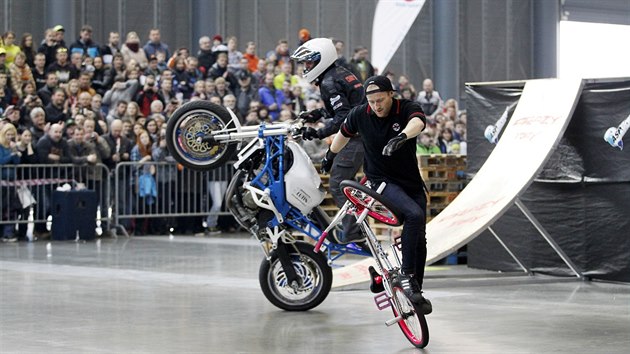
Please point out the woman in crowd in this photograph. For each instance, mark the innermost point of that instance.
(72, 92)
(152, 128)
(8, 43)
(98, 76)
(263, 114)
(445, 141)
(20, 73)
(133, 112)
(143, 182)
(26, 46)
(221, 89)
(26, 147)
(166, 177)
(9, 155)
(133, 50)
(183, 78)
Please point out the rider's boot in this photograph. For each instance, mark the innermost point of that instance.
(376, 281)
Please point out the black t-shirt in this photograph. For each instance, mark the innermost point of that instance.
(402, 167)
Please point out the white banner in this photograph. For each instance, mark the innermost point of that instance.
(392, 20)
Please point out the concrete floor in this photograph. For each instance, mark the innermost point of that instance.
(196, 295)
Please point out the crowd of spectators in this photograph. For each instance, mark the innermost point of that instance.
(87, 103)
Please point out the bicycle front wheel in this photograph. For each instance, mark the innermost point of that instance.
(413, 324)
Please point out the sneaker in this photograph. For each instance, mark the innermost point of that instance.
(342, 239)
(9, 239)
(426, 306)
(410, 286)
(41, 235)
(213, 231)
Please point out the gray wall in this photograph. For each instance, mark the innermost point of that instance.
(495, 37)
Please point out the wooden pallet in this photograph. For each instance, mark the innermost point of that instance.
(456, 161)
(444, 174)
(445, 186)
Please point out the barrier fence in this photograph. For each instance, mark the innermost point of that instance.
(151, 190)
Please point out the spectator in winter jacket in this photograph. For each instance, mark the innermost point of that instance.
(84, 44)
(155, 45)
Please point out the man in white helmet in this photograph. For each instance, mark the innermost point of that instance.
(341, 91)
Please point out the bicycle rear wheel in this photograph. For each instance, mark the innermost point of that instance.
(413, 324)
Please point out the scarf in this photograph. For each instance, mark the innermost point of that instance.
(134, 47)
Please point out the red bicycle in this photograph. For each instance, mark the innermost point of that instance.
(362, 202)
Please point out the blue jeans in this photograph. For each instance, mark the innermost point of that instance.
(411, 208)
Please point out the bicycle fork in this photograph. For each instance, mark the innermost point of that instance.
(383, 299)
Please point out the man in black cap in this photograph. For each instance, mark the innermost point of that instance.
(245, 92)
(388, 128)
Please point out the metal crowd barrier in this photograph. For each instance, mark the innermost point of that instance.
(26, 190)
(131, 191)
(163, 190)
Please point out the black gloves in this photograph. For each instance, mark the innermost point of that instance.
(311, 116)
(311, 133)
(327, 161)
(394, 144)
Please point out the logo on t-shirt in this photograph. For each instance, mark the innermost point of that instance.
(396, 127)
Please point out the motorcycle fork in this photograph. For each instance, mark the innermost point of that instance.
(285, 260)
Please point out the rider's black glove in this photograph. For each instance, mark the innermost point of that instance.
(327, 161)
(311, 116)
(394, 144)
(311, 133)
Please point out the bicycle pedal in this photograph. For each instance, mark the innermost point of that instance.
(397, 242)
(382, 301)
(376, 281)
(394, 320)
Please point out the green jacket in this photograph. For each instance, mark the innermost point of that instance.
(424, 150)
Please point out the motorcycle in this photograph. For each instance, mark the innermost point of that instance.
(275, 194)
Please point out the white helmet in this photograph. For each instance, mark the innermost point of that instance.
(320, 51)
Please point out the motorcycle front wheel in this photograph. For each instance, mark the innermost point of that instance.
(315, 279)
(194, 120)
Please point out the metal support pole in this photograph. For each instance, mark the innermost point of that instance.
(548, 238)
(546, 23)
(520, 264)
(60, 12)
(202, 23)
(446, 48)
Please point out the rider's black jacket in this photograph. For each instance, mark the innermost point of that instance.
(340, 90)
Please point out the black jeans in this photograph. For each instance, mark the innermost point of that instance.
(412, 209)
(345, 166)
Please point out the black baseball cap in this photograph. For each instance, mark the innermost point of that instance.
(243, 75)
(382, 82)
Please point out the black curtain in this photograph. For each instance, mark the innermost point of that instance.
(581, 197)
